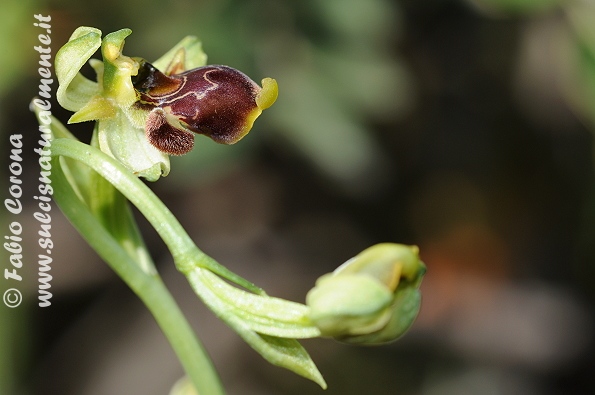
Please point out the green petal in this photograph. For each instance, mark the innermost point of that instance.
(118, 69)
(97, 108)
(351, 304)
(188, 51)
(121, 139)
(75, 90)
(386, 262)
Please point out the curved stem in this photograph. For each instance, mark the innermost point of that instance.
(186, 254)
(148, 287)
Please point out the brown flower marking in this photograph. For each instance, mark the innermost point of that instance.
(217, 101)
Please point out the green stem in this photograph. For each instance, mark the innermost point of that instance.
(148, 287)
(186, 254)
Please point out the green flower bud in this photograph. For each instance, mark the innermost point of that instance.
(372, 298)
(387, 262)
(404, 309)
(349, 305)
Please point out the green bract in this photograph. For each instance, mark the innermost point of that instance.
(372, 298)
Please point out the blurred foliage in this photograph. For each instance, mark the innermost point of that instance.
(14, 55)
(577, 58)
(556, 66)
(570, 47)
(16, 20)
(516, 6)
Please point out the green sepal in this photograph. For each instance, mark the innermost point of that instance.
(118, 70)
(132, 148)
(187, 54)
(74, 90)
(405, 309)
(350, 304)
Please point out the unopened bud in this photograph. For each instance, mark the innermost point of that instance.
(372, 298)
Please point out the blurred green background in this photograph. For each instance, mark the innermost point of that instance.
(465, 127)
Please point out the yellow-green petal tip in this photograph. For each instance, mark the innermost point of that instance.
(268, 95)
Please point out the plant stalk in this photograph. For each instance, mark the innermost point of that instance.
(148, 287)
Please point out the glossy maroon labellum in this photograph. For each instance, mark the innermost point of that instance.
(216, 101)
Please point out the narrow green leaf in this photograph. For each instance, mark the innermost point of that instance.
(112, 209)
(280, 351)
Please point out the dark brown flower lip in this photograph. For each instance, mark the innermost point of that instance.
(217, 101)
